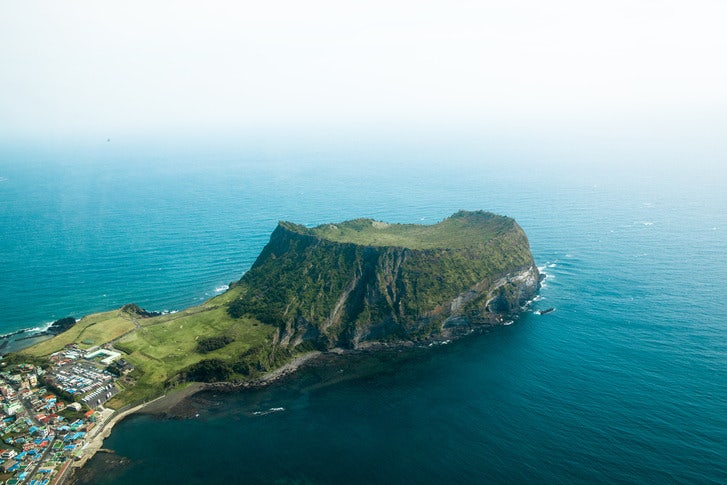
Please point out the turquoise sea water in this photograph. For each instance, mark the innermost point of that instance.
(625, 382)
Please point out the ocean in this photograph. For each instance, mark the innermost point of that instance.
(626, 381)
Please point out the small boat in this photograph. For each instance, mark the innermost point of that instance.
(546, 311)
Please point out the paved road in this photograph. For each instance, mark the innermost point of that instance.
(38, 463)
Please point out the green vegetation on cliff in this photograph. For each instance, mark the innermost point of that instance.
(343, 284)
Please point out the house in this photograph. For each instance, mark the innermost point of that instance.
(76, 406)
(13, 408)
(7, 454)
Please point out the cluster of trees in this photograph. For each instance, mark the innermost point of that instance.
(65, 396)
(16, 359)
(207, 345)
(266, 308)
(253, 362)
(209, 370)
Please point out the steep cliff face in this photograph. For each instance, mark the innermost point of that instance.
(361, 281)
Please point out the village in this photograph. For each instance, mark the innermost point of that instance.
(51, 414)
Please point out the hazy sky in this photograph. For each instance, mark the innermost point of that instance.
(109, 68)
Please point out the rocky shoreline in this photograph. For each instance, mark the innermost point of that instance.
(177, 403)
(174, 403)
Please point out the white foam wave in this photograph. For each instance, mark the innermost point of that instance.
(551, 265)
(268, 411)
(40, 328)
(32, 330)
(222, 288)
(443, 342)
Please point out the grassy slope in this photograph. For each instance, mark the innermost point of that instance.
(161, 350)
(92, 330)
(165, 345)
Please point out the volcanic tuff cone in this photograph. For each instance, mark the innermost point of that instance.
(359, 281)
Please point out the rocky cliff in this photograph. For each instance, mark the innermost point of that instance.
(361, 281)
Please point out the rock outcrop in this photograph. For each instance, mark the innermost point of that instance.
(362, 281)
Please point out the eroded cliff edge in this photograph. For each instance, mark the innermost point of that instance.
(362, 281)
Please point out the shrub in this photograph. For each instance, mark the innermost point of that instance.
(210, 370)
(207, 345)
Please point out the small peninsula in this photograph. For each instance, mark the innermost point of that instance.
(359, 284)
(348, 285)
(363, 281)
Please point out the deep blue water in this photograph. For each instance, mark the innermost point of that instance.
(625, 382)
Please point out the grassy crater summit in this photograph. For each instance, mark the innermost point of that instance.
(461, 230)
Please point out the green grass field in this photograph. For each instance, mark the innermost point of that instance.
(160, 350)
(462, 230)
(162, 346)
(90, 331)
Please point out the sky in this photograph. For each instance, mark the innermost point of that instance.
(558, 69)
